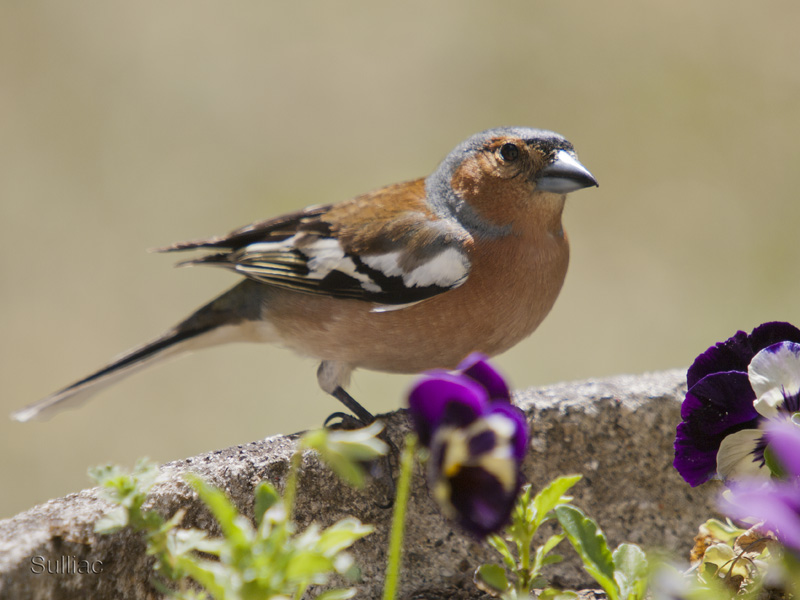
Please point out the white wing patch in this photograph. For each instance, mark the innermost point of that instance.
(382, 308)
(324, 256)
(449, 268)
(286, 244)
(388, 264)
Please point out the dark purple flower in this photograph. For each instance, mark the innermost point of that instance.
(477, 441)
(734, 387)
(735, 353)
(776, 504)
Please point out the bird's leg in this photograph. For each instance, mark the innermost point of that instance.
(381, 469)
(363, 415)
(332, 376)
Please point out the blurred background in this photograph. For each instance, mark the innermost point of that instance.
(125, 126)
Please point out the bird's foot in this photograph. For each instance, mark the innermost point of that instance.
(380, 470)
(353, 406)
(343, 421)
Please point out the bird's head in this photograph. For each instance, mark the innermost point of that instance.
(507, 175)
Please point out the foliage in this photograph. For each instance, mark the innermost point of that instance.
(623, 574)
(265, 559)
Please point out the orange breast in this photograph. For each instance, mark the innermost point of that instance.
(512, 285)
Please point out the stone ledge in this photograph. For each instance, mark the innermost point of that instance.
(618, 432)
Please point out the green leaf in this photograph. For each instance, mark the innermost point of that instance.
(590, 544)
(537, 583)
(128, 489)
(183, 541)
(350, 472)
(630, 571)
(553, 594)
(499, 544)
(360, 444)
(101, 474)
(354, 573)
(669, 582)
(551, 559)
(341, 535)
(112, 521)
(146, 472)
(237, 529)
(552, 542)
(491, 579)
(338, 594)
(211, 575)
(723, 531)
(266, 497)
(305, 565)
(522, 516)
(551, 496)
(345, 468)
(719, 555)
(343, 563)
(345, 451)
(308, 539)
(542, 558)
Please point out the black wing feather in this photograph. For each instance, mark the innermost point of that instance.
(269, 230)
(288, 266)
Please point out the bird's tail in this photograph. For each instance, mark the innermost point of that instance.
(222, 320)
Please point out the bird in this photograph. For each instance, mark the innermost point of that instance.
(410, 277)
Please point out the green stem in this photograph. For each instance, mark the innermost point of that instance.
(399, 518)
(301, 589)
(290, 491)
(792, 567)
(524, 578)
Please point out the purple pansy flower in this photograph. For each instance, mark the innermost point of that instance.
(477, 441)
(734, 387)
(775, 503)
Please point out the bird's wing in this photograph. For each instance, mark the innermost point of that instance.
(274, 230)
(386, 247)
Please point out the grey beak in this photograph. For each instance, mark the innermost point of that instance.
(564, 174)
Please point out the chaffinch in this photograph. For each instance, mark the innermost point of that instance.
(409, 277)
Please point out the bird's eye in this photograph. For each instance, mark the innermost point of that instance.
(509, 152)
